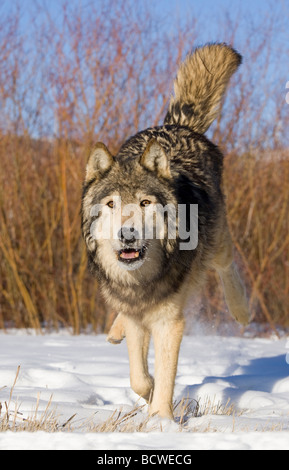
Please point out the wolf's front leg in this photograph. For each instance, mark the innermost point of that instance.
(138, 340)
(167, 336)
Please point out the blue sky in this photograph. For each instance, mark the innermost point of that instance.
(174, 13)
(178, 10)
(210, 22)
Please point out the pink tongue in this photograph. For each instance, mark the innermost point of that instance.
(128, 254)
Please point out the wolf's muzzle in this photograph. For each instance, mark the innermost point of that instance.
(128, 235)
(131, 251)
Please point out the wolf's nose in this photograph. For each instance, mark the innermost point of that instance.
(128, 235)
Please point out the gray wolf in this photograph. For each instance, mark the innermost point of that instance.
(148, 281)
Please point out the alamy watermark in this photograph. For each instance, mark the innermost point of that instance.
(153, 222)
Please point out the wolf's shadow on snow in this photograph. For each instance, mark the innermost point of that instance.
(262, 375)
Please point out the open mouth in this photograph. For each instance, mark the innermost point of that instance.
(130, 255)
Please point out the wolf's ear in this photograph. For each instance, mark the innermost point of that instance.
(99, 162)
(155, 159)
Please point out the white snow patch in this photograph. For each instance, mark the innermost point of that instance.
(89, 377)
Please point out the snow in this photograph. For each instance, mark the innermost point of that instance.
(89, 378)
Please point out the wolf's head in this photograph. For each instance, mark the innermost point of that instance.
(130, 212)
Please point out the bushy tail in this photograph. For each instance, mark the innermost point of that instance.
(200, 85)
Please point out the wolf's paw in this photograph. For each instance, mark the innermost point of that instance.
(114, 340)
(162, 411)
(116, 334)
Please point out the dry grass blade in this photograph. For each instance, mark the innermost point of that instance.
(13, 420)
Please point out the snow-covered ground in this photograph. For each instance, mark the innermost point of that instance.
(90, 378)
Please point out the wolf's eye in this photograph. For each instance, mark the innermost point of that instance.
(145, 203)
(110, 204)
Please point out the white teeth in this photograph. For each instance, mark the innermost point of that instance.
(136, 255)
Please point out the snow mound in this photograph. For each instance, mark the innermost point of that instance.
(236, 390)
